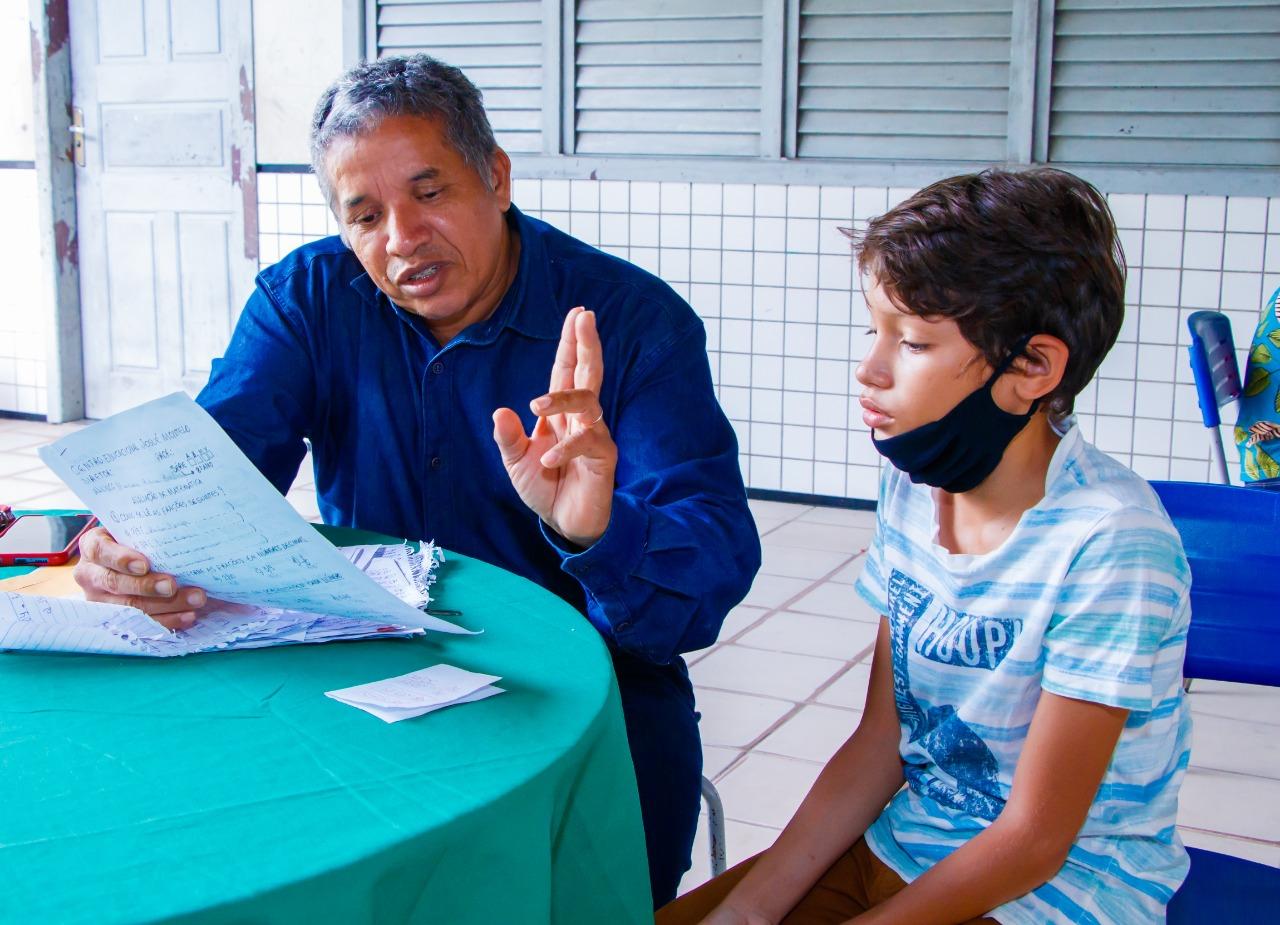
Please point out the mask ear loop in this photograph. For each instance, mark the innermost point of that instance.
(1017, 350)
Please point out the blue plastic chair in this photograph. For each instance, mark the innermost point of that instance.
(1217, 376)
(1232, 539)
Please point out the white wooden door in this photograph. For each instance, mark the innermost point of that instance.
(166, 200)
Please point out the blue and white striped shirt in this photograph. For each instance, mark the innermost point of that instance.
(1086, 598)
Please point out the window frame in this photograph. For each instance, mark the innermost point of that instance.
(1027, 139)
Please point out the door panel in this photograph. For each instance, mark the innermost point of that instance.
(165, 258)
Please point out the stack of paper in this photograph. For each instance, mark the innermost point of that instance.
(166, 481)
(418, 692)
(50, 624)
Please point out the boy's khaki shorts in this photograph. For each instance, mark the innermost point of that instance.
(857, 881)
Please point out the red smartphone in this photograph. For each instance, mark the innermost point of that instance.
(41, 539)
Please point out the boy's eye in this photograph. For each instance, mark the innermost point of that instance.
(914, 347)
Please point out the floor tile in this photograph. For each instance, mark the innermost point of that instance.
(776, 510)
(1230, 804)
(766, 789)
(814, 733)
(848, 574)
(1235, 745)
(13, 440)
(1254, 702)
(821, 536)
(18, 491)
(805, 634)
(833, 599)
(797, 562)
(840, 517)
(58, 499)
(850, 689)
(1262, 852)
(774, 590)
(740, 618)
(715, 758)
(755, 671)
(12, 464)
(734, 720)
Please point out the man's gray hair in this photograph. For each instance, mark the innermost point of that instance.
(416, 85)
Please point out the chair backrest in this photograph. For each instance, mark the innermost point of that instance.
(1213, 363)
(1232, 539)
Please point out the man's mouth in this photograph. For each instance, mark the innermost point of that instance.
(421, 275)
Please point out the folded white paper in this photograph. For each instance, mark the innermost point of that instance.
(418, 692)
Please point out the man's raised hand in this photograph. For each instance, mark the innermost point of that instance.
(564, 470)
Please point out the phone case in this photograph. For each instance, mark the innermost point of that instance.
(59, 557)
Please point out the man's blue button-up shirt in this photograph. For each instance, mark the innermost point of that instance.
(402, 434)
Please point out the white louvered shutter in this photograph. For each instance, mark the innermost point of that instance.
(904, 79)
(668, 77)
(496, 43)
(1166, 82)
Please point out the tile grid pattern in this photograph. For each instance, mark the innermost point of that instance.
(23, 315)
(786, 682)
(769, 272)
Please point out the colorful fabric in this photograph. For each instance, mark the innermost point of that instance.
(1088, 599)
(1258, 427)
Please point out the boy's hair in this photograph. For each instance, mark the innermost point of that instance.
(1007, 254)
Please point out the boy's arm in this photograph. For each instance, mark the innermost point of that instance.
(847, 797)
(1069, 746)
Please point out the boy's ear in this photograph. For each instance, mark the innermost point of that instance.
(1039, 369)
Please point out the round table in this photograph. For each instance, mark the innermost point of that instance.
(226, 787)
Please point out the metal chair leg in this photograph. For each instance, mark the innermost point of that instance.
(715, 827)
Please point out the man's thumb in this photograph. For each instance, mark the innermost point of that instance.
(509, 434)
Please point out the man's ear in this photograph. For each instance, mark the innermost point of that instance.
(500, 177)
(1036, 373)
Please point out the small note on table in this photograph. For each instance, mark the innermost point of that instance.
(418, 692)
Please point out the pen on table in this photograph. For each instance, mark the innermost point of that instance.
(442, 613)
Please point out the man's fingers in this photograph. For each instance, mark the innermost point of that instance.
(589, 371)
(571, 401)
(508, 433)
(566, 353)
(176, 621)
(108, 587)
(99, 547)
(592, 443)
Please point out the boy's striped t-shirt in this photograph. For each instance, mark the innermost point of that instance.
(1086, 598)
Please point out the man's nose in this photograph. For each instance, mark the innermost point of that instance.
(406, 233)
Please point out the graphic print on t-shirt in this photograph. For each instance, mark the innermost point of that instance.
(969, 642)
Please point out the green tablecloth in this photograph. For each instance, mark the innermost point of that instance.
(226, 788)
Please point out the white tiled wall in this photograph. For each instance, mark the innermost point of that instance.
(770, 274)
(23, 311)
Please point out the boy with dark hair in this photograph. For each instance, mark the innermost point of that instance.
(1026, 684)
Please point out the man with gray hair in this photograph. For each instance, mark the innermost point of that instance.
(400, 351)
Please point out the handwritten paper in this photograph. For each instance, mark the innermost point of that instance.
(166, 480)
(38, 623)
(418, 692)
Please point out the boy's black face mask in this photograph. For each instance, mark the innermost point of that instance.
(960, 449)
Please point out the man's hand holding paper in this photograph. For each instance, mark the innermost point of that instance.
(111, 573)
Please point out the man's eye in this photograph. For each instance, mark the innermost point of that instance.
(367, 219)
(429, 194)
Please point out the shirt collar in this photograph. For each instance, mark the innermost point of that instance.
(529, 306)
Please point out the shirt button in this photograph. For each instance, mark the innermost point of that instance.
(437, 367)
(437, 462)
(624, 626)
